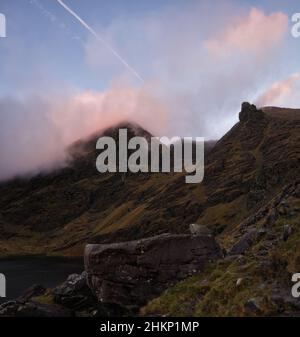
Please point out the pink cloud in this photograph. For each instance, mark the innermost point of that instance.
(279, 93)
(255, 33)
(45, 128)
(91, 111)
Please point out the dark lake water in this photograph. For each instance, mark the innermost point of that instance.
(22, 273)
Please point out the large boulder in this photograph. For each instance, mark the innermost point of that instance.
(131, 273)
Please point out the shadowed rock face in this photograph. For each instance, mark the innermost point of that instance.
(250, 112)
(131, 273)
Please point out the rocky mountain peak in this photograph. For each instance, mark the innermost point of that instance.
(250, 112)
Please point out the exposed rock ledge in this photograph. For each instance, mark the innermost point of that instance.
(132, 273)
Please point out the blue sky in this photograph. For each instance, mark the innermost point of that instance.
(34, 41)
(40, 49)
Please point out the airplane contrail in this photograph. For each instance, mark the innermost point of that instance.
(100, 39)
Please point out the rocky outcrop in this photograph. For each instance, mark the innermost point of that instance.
(74, 293)
(250, 112)
(262, 223)
(196, 229)
(131, 273)
(244, 243)
(73, 298)
(28, 305)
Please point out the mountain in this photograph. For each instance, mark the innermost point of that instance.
(249, 200)
(253, 192)
(59, 212)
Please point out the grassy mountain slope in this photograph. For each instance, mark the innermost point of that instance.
(258, 282)
(263, 249)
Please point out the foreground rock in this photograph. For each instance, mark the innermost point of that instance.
(74, 293)
(32, 309)
(27, 306)
(119, 277)
(131, 273)
(73, 298)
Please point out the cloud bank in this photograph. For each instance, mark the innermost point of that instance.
(36, 132)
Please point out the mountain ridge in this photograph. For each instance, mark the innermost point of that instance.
(58, 213)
